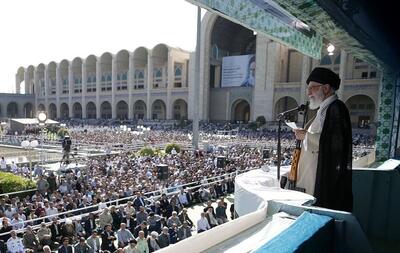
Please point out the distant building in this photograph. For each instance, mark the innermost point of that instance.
(158, 83)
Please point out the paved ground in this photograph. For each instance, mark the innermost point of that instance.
(194, 211)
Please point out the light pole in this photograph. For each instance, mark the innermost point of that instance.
(29, 145)
(42, 117)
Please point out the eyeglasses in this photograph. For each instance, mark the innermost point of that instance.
(313, 87)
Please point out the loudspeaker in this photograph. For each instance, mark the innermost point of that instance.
(265, 153)
(220, 161)
(162, 172)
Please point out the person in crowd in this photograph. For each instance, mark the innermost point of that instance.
(173, 233)
(82, 246)
(202, 223)
(129, 222)
(220, 213)
(108, 238)
(15, 244)
(105, 218)
(183, 216)
(94, 241)
(30, 240)
(66, 247)
(164, 238)
(90, 224)
(55, 229)
(142, 245)
(131, 248)
(141, 227)
(44, 235)
(184, 231)
(212, 220)
(173, 219)
(142, 215)
(152, 241)
(124, 236)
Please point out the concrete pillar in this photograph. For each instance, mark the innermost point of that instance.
(35, 90)
(84, 87)
(26, 79)
(131, 71)
(171, 77)
(46, 88)
(71, 82)
(113, 86)
(149, 83)
(58, 84)
(98, 87)
(263, 92)
(342, 72)
(17, 84)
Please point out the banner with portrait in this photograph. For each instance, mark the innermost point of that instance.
(238, 71)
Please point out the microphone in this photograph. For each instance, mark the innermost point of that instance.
(300, 108)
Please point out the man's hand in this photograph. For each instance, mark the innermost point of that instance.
(300, 134)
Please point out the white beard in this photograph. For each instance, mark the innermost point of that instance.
(316, 101)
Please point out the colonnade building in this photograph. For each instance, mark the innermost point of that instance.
(158, 83)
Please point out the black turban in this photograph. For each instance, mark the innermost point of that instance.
(324, 76)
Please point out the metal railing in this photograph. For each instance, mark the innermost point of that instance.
(175, 189)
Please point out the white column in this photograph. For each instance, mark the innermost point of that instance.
(149, 83)
(58, 83)
(342, 72)
(113, 86)
(71, 82)
(171, 74)
(131, 71)
(36, 89)
(26, 79)
(263, 91)
(17, 84)
(84, 87)
(46, 88)
(98, 85)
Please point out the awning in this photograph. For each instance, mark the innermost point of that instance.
(267, 17)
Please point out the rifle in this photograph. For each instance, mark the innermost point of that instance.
(296, 158)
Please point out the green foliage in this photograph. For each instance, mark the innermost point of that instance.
(12, 183)
(146, 151)
(170, 146)
(62, 132)
(261, 120)
(253, 125)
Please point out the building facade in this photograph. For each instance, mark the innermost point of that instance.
(159, 83)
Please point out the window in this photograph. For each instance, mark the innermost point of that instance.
(178, 75)
(138, 79)
(364, 75)
(157, 77)
(372, 74)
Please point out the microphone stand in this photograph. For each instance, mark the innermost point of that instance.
(281, 116)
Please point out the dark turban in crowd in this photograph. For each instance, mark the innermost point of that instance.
(325, 76)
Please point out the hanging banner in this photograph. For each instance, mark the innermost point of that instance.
(238, 71)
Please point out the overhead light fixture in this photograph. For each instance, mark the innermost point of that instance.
(330, 49)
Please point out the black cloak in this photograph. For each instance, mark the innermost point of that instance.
(333, 184)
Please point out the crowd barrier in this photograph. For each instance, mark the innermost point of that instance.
(154, 194)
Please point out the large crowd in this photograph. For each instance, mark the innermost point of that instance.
(134, 183)
(117, 203)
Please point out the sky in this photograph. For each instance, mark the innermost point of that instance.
(34, 32)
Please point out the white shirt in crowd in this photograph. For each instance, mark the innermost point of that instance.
(182, 198)
(3, 164)
(202, 224)
(14, 245)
